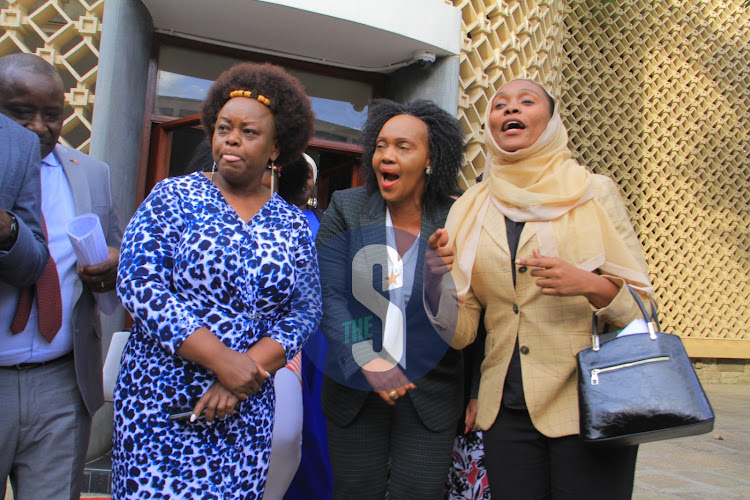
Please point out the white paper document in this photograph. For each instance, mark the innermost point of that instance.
(90, 246)
(636, 326)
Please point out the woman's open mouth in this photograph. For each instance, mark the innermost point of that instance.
(389, 178)
(513, 126)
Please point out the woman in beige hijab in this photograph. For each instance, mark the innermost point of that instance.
(540, 244)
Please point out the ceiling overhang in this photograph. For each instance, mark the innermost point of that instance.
(368, 35)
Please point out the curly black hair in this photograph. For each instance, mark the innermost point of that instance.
(444, 137)
(294, 120)
(293, 182)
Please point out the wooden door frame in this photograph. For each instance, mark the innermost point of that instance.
(145, 177)
(160, 149)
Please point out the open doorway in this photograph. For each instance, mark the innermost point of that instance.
(173, 145)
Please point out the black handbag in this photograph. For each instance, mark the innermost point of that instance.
(639, 388)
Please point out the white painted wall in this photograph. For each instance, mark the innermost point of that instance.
(431, 21)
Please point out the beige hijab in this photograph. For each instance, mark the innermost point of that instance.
(544, 186)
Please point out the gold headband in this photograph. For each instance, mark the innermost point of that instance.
(246, 93)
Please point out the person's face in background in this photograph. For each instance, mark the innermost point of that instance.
(35, 101)
(400, 160)
(520, 113)
(308, 188)
(244, 141)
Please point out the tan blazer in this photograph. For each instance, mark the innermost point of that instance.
(550, 330)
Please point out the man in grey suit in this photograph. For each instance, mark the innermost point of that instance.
(23, 247)
(51, 385)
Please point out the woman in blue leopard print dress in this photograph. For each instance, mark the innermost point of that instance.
(221, 278)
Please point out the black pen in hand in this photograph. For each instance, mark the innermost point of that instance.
(184, 416)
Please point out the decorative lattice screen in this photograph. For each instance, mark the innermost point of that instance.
(66, 34)
(657, 96)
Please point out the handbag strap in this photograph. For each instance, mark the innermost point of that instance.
(652, 321)
(597, 338)
(655, 317)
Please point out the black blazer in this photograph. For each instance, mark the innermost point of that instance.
(438, 398)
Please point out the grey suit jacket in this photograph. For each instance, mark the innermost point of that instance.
(438, 398)
(90, 183)
(20, 194)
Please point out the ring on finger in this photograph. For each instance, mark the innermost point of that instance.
(393, 394)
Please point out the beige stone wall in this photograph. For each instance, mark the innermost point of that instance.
(66, 33)
(722, 371)
(656, 95)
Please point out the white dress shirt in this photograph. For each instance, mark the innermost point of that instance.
(402, 268)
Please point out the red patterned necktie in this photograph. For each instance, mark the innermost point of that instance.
(49, 302)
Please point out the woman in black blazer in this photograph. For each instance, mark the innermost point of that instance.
(391, 401)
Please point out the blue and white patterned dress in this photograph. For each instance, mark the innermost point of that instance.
(187, 261)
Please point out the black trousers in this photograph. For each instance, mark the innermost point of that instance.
(388, 448)
(524, 464)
